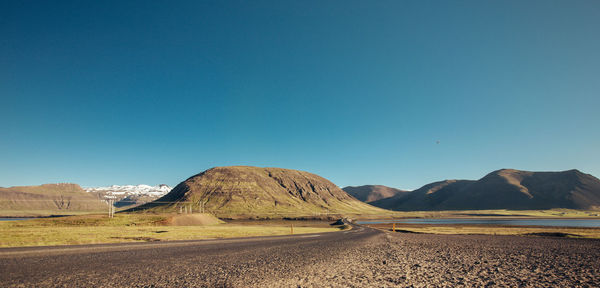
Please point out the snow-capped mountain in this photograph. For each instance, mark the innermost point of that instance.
(142, 189)
(129, 195)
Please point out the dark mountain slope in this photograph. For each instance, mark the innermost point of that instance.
(370, 193)
(504, 189)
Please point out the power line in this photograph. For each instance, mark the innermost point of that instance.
(85, 200)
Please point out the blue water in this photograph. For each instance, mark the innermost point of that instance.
(14, 219)
(513, 222)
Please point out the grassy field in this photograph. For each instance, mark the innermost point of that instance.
(492, 230)
(93, 229)
(138, 227)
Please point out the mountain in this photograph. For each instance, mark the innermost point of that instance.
(428, 197)
(246, 192)
(504, 189)
(370, 193)
(48, 199)
(130, 195)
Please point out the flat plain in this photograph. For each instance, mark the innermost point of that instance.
(98, 229)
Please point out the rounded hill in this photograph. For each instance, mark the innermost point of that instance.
(245, 191)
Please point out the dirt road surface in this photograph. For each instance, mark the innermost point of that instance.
(362, 257)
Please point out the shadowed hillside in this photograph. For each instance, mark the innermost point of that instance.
(428, 197)
(504, 189)
(48, 199)
(370, 193)
(242, 191)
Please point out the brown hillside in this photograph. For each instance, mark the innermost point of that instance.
(260, 192)
(47, 199)
(504, 189)
(428, 197)
(370, 193)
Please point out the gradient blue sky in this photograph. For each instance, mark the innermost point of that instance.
(129, 92)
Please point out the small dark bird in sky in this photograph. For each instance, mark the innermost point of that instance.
(437, 142)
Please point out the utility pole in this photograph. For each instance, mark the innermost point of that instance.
(111, 206)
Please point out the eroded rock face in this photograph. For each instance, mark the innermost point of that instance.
(246, 190)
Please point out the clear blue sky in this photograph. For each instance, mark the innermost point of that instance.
(129, 92)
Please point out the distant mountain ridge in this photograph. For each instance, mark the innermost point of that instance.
(48, 199)
(504, 189)
(130, 195)
(245, 191)
(370, 193)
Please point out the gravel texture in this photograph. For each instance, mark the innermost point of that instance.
(362, 257)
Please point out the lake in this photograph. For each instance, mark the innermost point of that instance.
(514, 222)
(14, 219)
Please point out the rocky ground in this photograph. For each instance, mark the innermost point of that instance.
(420, 260)
(359, 258)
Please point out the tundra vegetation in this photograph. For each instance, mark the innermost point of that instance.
(95, 229)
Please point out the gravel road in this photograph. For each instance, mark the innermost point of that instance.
(362, 257)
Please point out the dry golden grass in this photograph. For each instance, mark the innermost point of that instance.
(490, 230)
(47, 236)
(94, 229)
